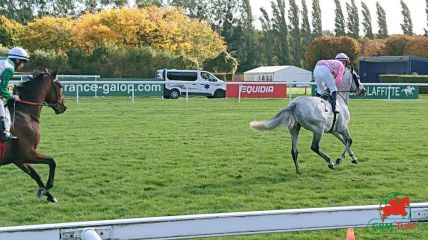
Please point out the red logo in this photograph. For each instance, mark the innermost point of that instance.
(249, 90)
(396, 206)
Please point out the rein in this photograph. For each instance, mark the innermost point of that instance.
(31, 103)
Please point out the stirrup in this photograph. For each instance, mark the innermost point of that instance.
(6, 136)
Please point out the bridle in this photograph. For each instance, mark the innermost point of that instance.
(56, 104)
(354, 81)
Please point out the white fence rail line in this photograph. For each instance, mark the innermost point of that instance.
(208, 225)
(289, 85)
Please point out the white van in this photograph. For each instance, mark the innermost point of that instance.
(196, 82)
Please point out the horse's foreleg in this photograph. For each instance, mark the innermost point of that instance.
(316, 148)
(348, 140)
(294, 132)
(340, 137)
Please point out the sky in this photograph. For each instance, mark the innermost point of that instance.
(392, 9)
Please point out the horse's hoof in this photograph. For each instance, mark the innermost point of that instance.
(354, 161)
(339, 161)
(331, 166)
(41, 192)
(52, 199)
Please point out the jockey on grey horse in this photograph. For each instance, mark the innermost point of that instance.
(330, 73)
(316, 115)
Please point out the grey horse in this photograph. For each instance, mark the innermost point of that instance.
(314, 114)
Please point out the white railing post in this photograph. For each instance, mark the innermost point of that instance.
(239, 93)
(187, 92)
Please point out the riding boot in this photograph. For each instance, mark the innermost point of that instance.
(4, 134)
(317, 94)
(333, 102)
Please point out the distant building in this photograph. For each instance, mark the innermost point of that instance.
(278, 74)
(371, 67)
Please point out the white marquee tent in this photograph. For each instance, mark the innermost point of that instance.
(278, 73)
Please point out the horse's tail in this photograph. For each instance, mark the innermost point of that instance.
(285, 116)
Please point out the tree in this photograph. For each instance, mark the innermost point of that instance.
(281, 32)
(9, 31)
(294, 27)
(407, 25)
(316, 18)
(339, 23)
(305, 31)
(367, 21)
(381, 21)
(353, 20)
(246, 53)
(268, 36)
(49, 34)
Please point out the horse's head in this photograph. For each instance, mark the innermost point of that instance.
(355, 83)
(54, 97)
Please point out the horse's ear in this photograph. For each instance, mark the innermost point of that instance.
(352, 68)
(53, 74)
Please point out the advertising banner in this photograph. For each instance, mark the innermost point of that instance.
(249, 90)
(112, 89)
(387, 92)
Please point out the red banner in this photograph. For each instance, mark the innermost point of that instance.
(249, 90)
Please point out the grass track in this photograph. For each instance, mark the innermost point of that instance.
(154, 157)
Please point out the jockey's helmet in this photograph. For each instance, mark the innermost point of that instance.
(342, 57)
(18, 53)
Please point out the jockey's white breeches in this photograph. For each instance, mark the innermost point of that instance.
(4, 114)
(323, 77)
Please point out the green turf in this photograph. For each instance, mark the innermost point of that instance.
(156, 157)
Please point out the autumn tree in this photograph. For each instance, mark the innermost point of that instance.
(9, 31)
(48, 33)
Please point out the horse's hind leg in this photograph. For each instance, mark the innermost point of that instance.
(316, 148)
(27, 168)
(294, 132)
(42, 159)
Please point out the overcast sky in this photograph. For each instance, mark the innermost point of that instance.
(392, 10)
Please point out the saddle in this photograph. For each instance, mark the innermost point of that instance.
(327, 97)
(2, 151)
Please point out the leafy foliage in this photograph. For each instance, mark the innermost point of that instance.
(407, 25)
(49, 34)
(316, 18)
(328, 47)
(381, 21)
(9, 31)
(353, 20)
(339, 21)
(167, 29)
(367, 21)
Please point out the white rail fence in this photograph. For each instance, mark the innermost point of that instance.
(93, 86)
(209, 225)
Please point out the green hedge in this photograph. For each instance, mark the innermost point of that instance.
(389, 78)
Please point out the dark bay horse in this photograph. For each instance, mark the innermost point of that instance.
(42, 89)
(315, 115)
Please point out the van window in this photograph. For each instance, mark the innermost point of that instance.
(208, 77)
(182, 76)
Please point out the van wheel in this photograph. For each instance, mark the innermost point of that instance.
(174, 94)
(219, 93)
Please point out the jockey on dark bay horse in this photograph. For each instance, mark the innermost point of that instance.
(15, 60)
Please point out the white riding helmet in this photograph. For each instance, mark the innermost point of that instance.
(18, 53)
(342, 57)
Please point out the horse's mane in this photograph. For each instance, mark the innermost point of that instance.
(27, 87)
